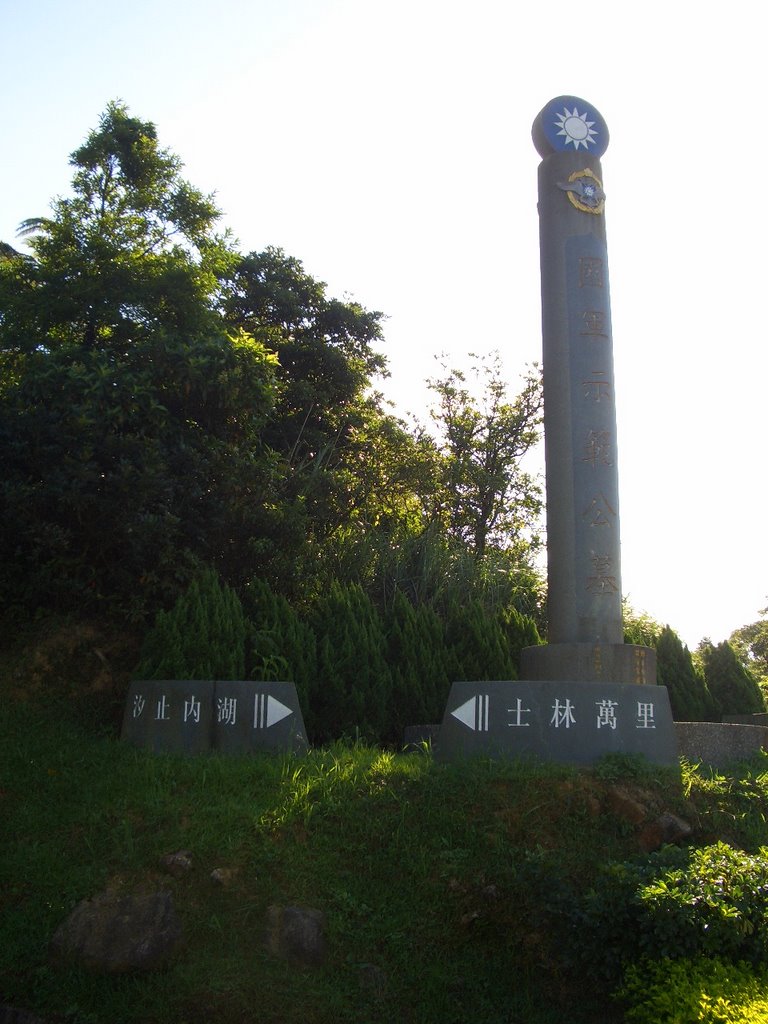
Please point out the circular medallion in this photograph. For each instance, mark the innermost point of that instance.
(585, 191)
(568, 123)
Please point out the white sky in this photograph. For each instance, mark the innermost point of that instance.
(386, 144)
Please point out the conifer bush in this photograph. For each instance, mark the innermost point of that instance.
(734, 688)
(478, 647)
(419, 664)
(520, 631)
(689, 694)
(201, 637)
(281, 645)
(351, 694)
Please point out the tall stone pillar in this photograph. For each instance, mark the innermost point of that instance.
(585, 693)
(583, 537)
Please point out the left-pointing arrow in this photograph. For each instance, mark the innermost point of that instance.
(474, 713)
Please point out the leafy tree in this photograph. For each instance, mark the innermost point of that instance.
(733, 687)
(639, 627)
(751, 643)
(130, 421)
(133, 250)
(166, 404)
(349, 465)
(325, 344)
(487, 498)
(386, 477)
(122, 473)
(326, 363)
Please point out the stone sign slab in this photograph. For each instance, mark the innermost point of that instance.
(570, 722)
(169, 716)
(263, 716)
(193, 717)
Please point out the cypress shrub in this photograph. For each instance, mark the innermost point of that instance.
(520, 631)
(281, 645)
(477, 643)
(733, 687)
(419, 663)
(201, 637)
(352, 689)
(689, 695)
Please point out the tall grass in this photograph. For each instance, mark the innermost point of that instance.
(420, 869)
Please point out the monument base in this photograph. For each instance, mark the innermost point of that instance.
(568, 721)
(589, 663)
(227, 716)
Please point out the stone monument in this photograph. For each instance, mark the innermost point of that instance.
(226, 716)
(585, 693)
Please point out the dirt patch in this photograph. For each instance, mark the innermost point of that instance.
(72, 658)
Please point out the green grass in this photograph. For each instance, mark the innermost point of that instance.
(425, 871)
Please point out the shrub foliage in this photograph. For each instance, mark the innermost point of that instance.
(358, 670)
(676, 903)
(702, 991)
(201, 637)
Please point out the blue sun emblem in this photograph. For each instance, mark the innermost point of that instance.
(575, 128)
(570, 125)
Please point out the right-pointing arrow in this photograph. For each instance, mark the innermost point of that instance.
(267, 711)
(276, 711)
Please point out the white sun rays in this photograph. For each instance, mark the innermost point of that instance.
(576, 128)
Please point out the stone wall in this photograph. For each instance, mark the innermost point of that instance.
(719, 744)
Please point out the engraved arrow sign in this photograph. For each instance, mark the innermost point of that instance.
(474, 713)
(267, 711)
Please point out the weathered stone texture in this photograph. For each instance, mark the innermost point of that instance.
(297, 933)
(116, 932)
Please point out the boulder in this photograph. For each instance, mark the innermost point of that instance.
(177, 864)
(297, 933)
(625, 805)
(667, 828)
(224, 876)
(117, 932)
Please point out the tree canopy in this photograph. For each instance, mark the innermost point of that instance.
(483, 434)
(131, 252)
(177, 414)
(169, 405)
(751, 643)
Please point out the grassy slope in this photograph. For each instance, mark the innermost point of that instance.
(423, 871)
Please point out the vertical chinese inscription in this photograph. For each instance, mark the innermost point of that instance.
(593, 429)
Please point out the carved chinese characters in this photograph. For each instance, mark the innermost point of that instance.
(193, 716)
(572, 722)
(597, 574)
